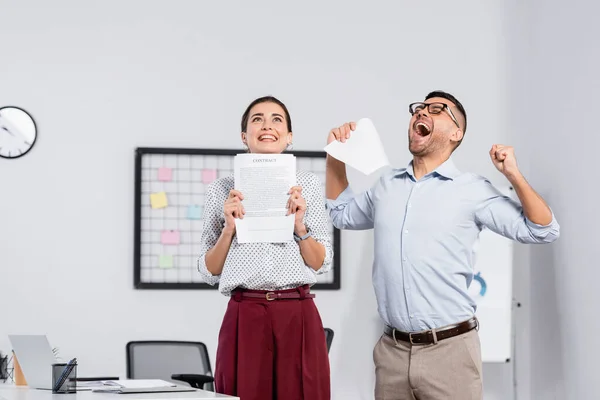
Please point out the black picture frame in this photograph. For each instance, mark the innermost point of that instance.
(140, 152)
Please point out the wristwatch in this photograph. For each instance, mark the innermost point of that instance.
(303, 237)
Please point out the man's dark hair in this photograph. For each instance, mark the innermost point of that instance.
(266, 99)
(448, 96)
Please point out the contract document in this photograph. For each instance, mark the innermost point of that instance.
(265, 181)
(363, 151)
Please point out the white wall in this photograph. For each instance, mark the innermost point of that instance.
(102, 78)
(555, 114)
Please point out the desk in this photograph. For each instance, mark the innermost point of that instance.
(12, 392)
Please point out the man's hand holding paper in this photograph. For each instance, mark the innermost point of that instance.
(357, 145)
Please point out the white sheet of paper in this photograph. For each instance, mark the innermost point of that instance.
(363, 151)
(139, 383)
(265, 180)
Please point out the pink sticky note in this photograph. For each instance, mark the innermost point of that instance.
(209, 175)
(169, 237)
(165, 174)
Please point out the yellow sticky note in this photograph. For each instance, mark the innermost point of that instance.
(158, 200)
(165, 261)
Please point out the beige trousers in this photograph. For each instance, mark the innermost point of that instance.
(448, 370)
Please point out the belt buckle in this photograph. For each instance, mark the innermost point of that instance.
(270, 296)
(433, 333)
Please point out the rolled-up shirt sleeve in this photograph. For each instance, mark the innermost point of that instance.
(505, 216)
(348, 211)
(213, 225)
(317, 222)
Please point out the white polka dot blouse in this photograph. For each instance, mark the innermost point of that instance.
(264, 266)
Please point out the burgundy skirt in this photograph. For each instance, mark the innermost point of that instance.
(272, 350)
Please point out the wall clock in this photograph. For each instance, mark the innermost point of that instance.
(18, 132)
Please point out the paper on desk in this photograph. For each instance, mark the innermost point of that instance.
(363, 150)
(264, 180)
(139, 383)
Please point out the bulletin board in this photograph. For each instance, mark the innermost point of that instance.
(170, 187)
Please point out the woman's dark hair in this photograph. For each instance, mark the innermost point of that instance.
(266, 99)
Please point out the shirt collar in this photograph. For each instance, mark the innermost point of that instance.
(447, 170)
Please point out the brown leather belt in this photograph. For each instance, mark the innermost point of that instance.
(277, 295)
(299, 293)
(434, 335)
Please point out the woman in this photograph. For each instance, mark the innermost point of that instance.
(271, 342)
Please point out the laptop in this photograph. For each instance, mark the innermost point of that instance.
(35, 358)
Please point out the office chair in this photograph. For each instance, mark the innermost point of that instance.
(170, 360)
(328, 337)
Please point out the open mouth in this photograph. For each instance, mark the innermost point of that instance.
(267, 138)
(422, 128)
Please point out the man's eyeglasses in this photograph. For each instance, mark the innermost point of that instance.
(433, 108)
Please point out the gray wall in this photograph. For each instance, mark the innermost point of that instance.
(555, 110)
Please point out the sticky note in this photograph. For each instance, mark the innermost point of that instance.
(194, 212)
(158, 200)
(169, 237)
(165, 261)
(209, 175)
(165, 174)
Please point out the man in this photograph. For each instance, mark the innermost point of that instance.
(426, 219)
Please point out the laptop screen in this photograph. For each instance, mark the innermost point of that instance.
(35, 357)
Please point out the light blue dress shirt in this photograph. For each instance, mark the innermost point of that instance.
(425, 232)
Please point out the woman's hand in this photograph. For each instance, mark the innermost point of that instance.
(297, 205)
(233, 209)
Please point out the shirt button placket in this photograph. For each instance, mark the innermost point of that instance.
(405, 265)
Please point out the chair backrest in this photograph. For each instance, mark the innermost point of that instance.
(159, 359)
(328, 337)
